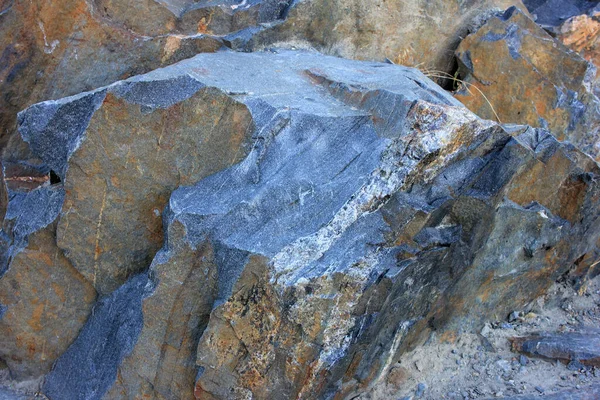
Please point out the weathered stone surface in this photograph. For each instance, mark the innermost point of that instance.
(88, 368)
(566, 347)
(368, 212)
(101, 216)
(580, 34)
(163, 363)
(510, 66)
(7, 394)
(418, 33)
(44, 300)
(50, 50)
(44, 303)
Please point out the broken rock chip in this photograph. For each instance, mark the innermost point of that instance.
(510, 66)
(359, 210)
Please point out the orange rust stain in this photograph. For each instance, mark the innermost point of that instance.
(39, 256)
(571, 197)
(487, 288)
(448, 337)
(35, 322)
(60, 292)
(31, 349)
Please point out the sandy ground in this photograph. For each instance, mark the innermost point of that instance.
(480, 366)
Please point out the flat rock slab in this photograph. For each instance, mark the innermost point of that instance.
(566, 347)
(591, 392)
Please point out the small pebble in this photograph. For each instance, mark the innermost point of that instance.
(523, 370)
(504, 365)
(513, 316)
(421, 387)
(539, 389)
(523, 360)
(575, 366)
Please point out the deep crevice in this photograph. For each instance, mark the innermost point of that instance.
(54, 178)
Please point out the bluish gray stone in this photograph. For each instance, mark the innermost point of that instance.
(89, 367)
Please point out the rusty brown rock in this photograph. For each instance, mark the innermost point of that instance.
(416, 33)
(46, 302)
(123, 181)
(517, 73)
(162, 365)
(582, 35)
(57, 49)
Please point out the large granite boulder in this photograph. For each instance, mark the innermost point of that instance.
(517, 73)
(317, 217)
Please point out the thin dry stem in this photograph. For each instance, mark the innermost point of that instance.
(445, 75)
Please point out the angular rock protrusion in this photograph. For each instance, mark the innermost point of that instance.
(582, 35)
(163, 362)
(329, 215)
(510, 67)
(183, 129)
(44, 300)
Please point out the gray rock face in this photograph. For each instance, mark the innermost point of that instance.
(324, 216)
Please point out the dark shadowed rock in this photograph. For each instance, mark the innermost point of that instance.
(510, 66)
(320, 216)
(583, 347)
